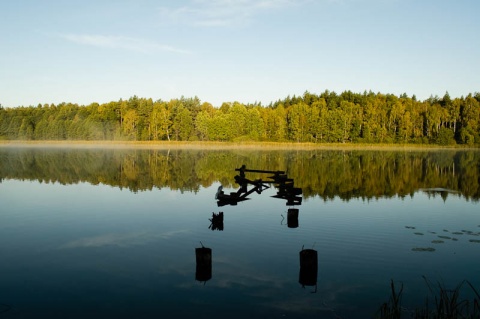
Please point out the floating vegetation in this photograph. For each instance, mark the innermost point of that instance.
(444, 237)
(423, 249)
(471, 233)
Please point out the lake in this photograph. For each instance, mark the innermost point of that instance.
(113, 232)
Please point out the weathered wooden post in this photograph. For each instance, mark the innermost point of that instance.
(292, 218)
(203, 270)
(308, 268)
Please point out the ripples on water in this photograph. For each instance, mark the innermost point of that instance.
(92, 249)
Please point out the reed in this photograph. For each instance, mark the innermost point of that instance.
(392, 309)
(446, 303)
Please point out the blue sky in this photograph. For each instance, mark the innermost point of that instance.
(86, 51)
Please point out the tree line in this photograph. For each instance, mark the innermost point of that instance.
(327, 174)
(319, 118)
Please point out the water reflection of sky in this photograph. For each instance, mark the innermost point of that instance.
(93, 249)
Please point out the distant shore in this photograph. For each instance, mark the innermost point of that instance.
(227, 145)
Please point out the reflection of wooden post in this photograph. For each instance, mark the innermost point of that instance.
(292, 218)
(216, 221)
(308, 268)
(204, 264)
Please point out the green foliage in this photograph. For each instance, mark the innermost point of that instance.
(325, 118)
(445, 137)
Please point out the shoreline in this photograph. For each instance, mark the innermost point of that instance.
(228, 145)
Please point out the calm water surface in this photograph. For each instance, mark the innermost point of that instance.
(120, 247)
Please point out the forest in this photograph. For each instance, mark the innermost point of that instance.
(316, 118)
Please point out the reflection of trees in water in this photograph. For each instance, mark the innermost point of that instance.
(347, 174)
